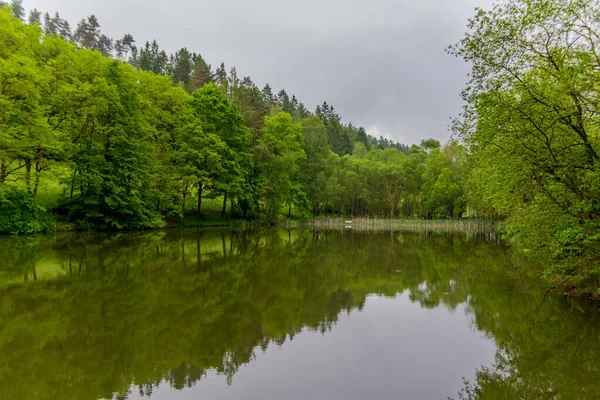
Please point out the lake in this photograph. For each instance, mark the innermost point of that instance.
(283, 314)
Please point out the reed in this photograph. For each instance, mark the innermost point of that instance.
(382, 224)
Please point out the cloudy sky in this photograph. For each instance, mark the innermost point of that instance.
(380, 63)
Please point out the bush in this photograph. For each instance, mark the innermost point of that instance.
(20, 213)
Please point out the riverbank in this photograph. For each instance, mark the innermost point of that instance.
(384, 224)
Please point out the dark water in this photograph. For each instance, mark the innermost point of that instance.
(285, 315)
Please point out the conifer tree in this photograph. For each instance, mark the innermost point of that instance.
(284, 101)
(50, 27)
(105, 45)
(221, 74)
(87, 33)
(183, 65)
(123, 47)
(35, 17)
(268, 95)
(201, 74)
(17, 9)
(64, 29)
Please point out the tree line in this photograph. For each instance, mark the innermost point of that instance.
(126, 139)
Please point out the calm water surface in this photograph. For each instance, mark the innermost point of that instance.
(285, 315)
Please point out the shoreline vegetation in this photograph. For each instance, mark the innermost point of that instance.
(116, 135)
(364, 224)
(412, 225)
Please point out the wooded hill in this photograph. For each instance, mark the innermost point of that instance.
(115, 144)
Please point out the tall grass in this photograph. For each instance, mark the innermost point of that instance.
(378, 224)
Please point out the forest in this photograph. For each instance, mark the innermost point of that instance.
(108, 134)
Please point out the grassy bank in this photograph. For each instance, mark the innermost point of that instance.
(379, 224)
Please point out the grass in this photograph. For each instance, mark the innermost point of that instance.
(378, 224)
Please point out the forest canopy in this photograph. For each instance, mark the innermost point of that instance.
(106, 135)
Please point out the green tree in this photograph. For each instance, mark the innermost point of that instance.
(26, 139)
(220, 117)
(168, 117)
(17, 9)
(87, 33)
(116, 160)
(530, 121)
(316, 168)
(124, 47)
(201, 74)
(35, 17)
(183, 65)
(283, 147)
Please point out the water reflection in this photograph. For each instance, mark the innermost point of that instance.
(83, 316)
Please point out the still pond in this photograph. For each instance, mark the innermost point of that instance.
(286, 315)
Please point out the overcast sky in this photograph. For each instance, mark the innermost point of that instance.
(380, 63)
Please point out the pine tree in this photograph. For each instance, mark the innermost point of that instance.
(201, 74)
(134, 58)
(232, 84)
(361, 136)
(145, 58)
(105, 45)
(63, 27)
(50, 27)
(160, 60)
(293, 105)
(35, 17)
(17, 9)
(183, 66)
(284, 101)
(152, 58)
(268, 95)
(65, 30)
(247, 82)
(87, 33)
(123, 47)
(302, 111)
(221, 74)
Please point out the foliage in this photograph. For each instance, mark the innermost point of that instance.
(282, 154)
(20, 213)
(531, 124)
(125, 147)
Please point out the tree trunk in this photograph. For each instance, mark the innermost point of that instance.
(224, 208)
(184, 196)
(199, 207)
(28, 175)
(72, 185)
(290, 210)
(2, 171)
(37, 178)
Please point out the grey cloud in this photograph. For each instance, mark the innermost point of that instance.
(381, 63)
